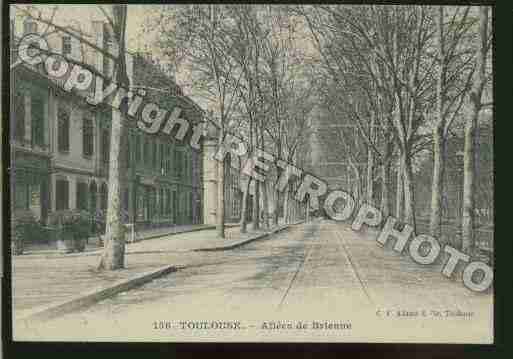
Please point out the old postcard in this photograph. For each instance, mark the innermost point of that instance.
(252, 173)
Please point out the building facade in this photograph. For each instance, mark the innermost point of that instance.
(60, 144)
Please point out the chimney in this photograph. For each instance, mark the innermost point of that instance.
(29, 26)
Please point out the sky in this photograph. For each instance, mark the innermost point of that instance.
(85, 14)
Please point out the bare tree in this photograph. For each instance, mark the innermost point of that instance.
(468, 236)
(113, 256)
(360, 94)
(453, 75)
(390, 44)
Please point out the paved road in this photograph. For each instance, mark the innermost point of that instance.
(321, 268)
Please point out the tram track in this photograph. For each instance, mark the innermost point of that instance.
(325, 242)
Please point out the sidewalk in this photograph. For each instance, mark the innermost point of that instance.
(93, 246)
(40, 281)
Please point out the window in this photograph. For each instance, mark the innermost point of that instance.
(152, 195)
(162, 159)
(168, 159)
(87, 137)
(144, 201)
(138, 148)
(19, 115)
(168, 202)
(162, 201)
(178, 162)
(105, 145)
(189, 205)
(21, 196)
(104, 198)
(187, 164)
(174, 207)
(92, 196)
(61, 194)
(183, 207)
(66, 45)
(63, 130)
(154, 156)
(82, 196)
(146, 152)
(37, 113)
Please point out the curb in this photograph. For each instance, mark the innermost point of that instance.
(246, 241)
(207, 227)
(91, 297)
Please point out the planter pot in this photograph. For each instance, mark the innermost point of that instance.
(79, 244)
(65, 242)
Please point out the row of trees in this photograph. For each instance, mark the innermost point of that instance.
(404, 76)
(248, 63)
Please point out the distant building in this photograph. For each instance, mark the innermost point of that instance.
(329, 158)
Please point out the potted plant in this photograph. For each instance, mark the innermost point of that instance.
(23, 225)
(71, 228)
(60, 221)
(81, 227)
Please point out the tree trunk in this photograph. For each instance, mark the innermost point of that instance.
(220, 200)
(220, 188)
(276, 198)
(369, 187)
(265, 187)
(256, 207)
(467, 226)
(399, 193)
(385, 188)
(244, 212)
(114, 248)
(286, 201)
(435, 221)
(291, 207)
(276, 213)
(357, 189)
(467, 233)
(265, 200)
(409, 200)
(113, 256)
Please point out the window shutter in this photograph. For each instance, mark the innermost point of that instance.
(62, 194)
(87, 137)
(63, 130)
